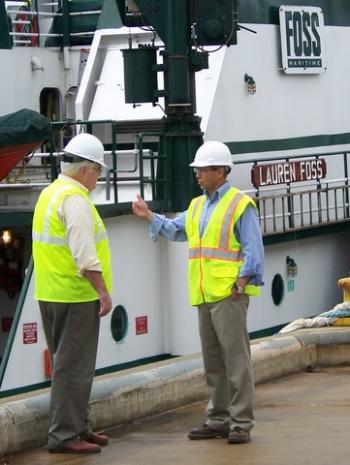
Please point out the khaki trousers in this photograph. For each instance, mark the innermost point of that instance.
(71, 331)
(227, 363)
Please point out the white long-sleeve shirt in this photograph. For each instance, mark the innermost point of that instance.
(77, 217)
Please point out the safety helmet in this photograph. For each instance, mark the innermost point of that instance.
(212, 153)
(86, 146)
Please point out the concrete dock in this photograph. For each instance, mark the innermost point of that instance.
(302, 410)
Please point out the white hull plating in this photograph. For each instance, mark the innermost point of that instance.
(22, 82)
(150, 279)
(284, 106)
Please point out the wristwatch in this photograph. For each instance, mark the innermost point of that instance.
(239, 289)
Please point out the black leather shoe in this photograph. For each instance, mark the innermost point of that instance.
(77, 446)
(205, 432)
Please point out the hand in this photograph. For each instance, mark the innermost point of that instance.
(140, 208)
(97, 282)
(235, 295)
(241, 282)
(105, 304)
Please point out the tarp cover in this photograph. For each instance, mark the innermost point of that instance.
(22, 127)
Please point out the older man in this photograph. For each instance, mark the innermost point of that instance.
(72, 284)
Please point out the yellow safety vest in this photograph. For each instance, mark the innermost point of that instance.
(215, 259)
(56, 274)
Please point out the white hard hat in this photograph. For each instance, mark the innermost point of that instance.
(212, 153)
(86, 146)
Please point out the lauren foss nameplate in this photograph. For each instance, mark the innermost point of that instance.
(286, 172)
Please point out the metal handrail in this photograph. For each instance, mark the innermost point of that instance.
(323, 207)
(321, 201)
(28, 15)
(282, 208)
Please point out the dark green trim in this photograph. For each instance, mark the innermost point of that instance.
(99, 372)
(133, 364)
(307, 233)
(16, 218)
(336, 12)
(295, 143)
(109, 211)
(25, 218)
(113, 210)
(25, 389)
(266, 332)
(269, 331)
(5, 25)
(136, 363)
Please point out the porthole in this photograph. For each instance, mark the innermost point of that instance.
(119, 323)
(277, 289)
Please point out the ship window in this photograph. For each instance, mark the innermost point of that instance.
(119, 323)
(277, 289)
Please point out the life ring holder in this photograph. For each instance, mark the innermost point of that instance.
(32, 27)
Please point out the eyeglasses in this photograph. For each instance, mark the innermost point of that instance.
(206, 169)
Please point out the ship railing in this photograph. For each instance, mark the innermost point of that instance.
(289, 207)
(138, 167)
(31, 21)
(296, 210)
(35, 170)
(128, 172)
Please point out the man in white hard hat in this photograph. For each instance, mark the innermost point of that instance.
(72, 284)
(225, 268)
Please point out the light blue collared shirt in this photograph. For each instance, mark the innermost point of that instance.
(247, 231)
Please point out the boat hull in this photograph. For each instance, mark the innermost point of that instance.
(150, 283)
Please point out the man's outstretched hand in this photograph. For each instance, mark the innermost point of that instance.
(140, 208)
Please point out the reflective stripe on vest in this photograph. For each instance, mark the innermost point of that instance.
(56, 274)
(215, 259)
(47, 239)
(218, 254)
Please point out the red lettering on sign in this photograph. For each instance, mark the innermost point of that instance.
(30, 333)
(141, 325)
(286, 172)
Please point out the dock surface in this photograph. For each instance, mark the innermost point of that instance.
(301, 419)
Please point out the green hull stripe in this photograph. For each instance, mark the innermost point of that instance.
(308, 233)
(101, 371)
(265, 332)
(136, 363)
(336, 12)
(288, 144)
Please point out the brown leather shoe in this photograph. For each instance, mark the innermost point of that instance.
(94, 438)
(77, 446)
(238, 436)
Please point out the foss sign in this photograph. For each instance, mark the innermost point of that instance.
(302, 40)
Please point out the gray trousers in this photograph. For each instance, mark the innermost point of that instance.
(227, 363)
(71, 331)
